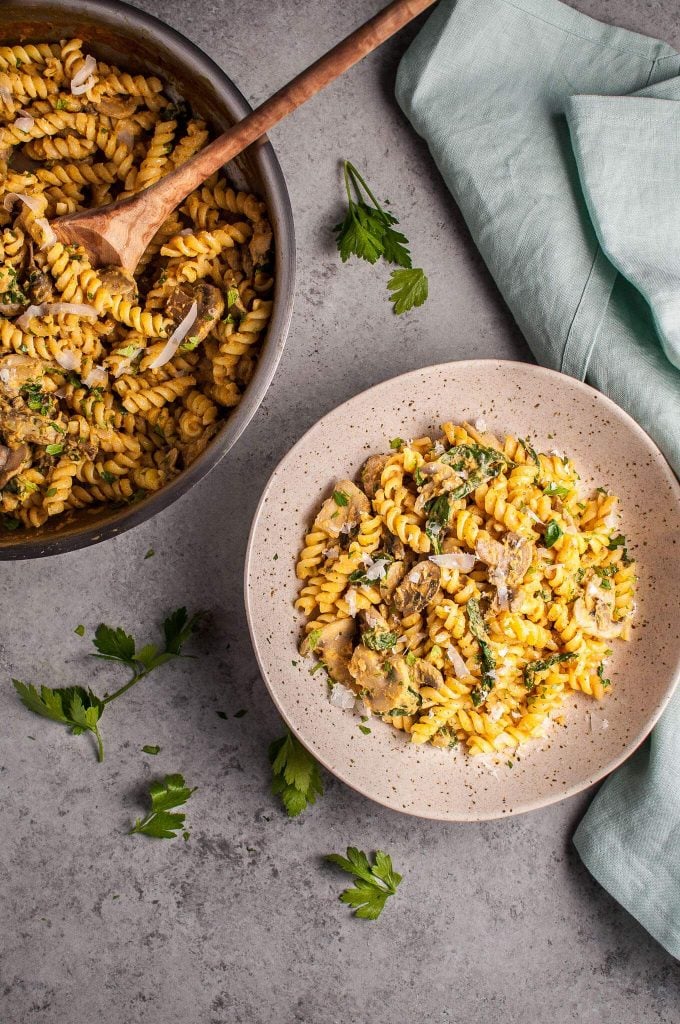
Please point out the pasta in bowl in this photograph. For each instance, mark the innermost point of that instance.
(469, 594)
(118, 391)
(463, 587)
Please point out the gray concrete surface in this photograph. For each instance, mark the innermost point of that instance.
(495, 922)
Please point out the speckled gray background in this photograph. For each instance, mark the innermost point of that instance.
(495, 922)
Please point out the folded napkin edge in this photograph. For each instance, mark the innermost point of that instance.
(651, 914)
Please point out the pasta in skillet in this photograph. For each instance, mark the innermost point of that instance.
(464, 588)
(111, 384)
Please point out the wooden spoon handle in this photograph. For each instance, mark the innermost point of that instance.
(309, 82)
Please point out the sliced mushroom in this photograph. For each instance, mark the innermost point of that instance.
(16, 371)
(210, 306)
(11, 462)
(119, 282)
(396, 548)
(599, 622)
(488, 550)
(344, 516)
(382, 680)
(370, 618)
(40, 286)
(425, 674)
(442, 479)
(19, 427)
(391, 580)
(483, 437)
(333, 645)
(114, 106)
(508, 563)
(418, 588)
(260, 243)
(371, 472)
(521, 553)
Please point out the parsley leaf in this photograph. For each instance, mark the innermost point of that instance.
(558, 490)
(553, 532)
(340, 498)
(159, 822)
(396, 443)
(151, 748)
(374, 882)
(114, 644)
(378, 639)
(74, 706)
(533, 667)
(408, 288)
(296, 776)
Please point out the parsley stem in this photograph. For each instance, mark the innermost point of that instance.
(130, 683)
(357, 178)
(100, 744)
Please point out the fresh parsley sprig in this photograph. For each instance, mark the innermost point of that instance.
(375, 882)
(162, 822)
(367, 231)
(81, 709)
(74, 706)
(296, 776)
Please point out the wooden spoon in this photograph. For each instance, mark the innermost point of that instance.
(120, 232)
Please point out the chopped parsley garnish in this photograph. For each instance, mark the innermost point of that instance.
(36, 399)
(529, 450)
(437, 511)
(296, 775)
(79, 630)
(233, 296)
(478, 461)
(378, 639)
(359, 575)
(533, 667)
(313, 639)
(151, 748)
(190, 344)
(600, 672)
(396, 443)
(54, 449)
(558, 490)
(486, 658)
(340, 498)
(620, 542)
(364, 729)
(374, 884)
(368, 232)
(553, 532)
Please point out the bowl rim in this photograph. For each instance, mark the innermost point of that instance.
(524, 806)
(80, 534)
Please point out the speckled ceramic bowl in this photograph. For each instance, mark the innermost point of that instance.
(609, 449)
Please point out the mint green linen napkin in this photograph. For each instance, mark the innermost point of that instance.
(558, 137)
